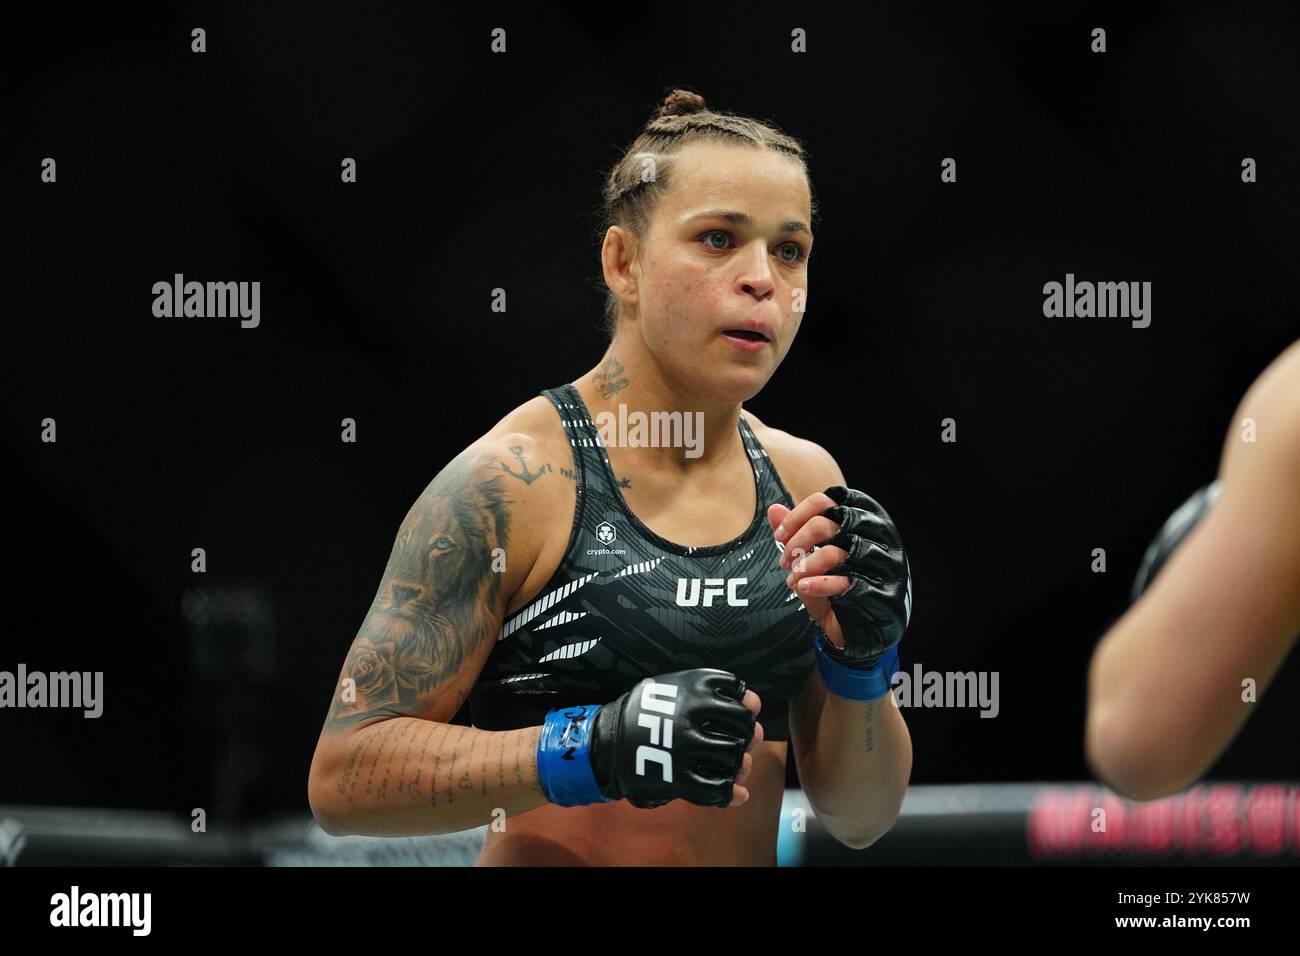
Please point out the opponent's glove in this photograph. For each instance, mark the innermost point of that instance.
(1178, 526)
(679, 735)
(874, 611)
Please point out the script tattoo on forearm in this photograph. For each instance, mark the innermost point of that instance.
(871, 730)
(434, 605)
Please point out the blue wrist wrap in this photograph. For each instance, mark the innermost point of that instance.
(853, 684)
(563, 761)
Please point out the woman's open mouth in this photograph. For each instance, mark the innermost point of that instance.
(745, 340)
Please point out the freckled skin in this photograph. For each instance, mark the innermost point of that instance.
(684, 284)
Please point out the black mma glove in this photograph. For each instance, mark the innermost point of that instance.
(676, 736)
(874, 610)
(1171, 535)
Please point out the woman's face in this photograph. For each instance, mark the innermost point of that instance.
(727, 248)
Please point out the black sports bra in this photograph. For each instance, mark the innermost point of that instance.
(625, 604)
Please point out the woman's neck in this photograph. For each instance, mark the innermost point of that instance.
(662, 429)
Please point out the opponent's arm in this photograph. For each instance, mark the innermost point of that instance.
(1165, 688)
(387, 762)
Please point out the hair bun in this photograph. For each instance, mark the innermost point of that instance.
(681, 102)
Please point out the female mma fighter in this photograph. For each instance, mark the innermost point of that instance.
(637, 646)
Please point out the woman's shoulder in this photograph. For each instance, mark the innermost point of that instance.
(535, 418)
(804, 465)
(530, 443)
(1266, 424)
(529, 456)
(535, 427)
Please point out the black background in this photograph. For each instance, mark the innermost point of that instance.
(479, 171)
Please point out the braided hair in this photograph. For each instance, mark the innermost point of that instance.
(638, 180)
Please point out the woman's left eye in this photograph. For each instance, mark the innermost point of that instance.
(799, 253)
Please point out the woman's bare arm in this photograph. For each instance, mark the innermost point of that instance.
(387, 762)
(1166, 685)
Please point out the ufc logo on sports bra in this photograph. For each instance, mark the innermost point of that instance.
(713, 588)
(657, 699)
